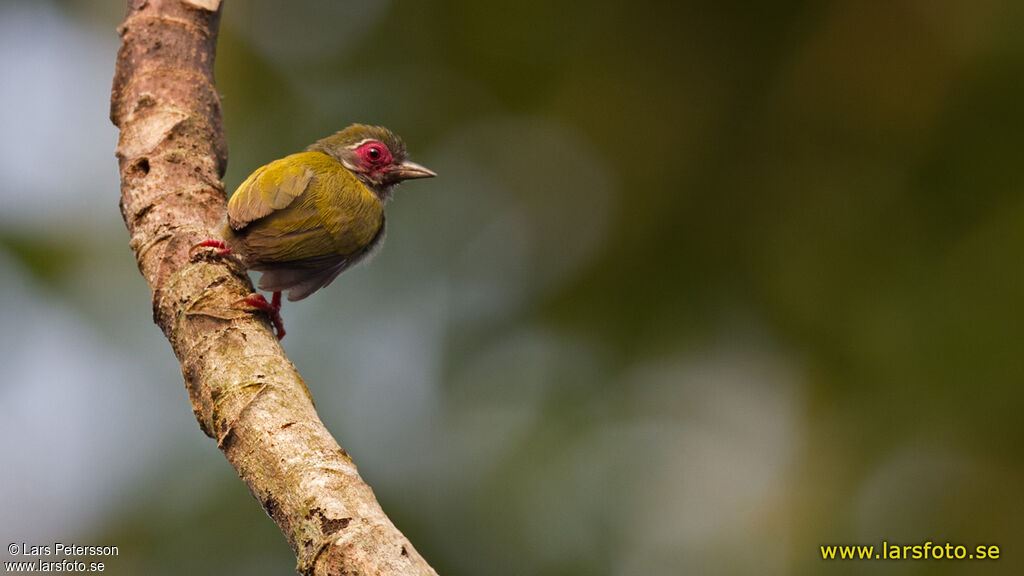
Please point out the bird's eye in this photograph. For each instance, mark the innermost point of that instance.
(374, 154)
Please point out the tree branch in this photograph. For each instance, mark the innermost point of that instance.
(244, 391)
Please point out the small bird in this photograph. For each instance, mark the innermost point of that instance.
(305, 218)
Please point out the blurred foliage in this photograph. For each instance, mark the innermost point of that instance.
(46, 258)
(700, 286)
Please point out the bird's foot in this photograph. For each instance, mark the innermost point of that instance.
(222, 247)
(272, 309)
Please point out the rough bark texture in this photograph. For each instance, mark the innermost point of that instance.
(244, 391)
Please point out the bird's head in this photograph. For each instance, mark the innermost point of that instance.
(375, 155)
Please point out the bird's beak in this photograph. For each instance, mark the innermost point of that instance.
(408, 171)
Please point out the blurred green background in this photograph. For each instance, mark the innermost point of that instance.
(700, 287)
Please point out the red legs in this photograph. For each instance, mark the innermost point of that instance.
(222, 247)
(253, 301)
(272, 309)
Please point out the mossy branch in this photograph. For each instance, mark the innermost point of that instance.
(244, 391)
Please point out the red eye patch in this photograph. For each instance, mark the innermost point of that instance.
(374, 154)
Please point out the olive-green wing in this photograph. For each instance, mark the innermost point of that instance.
(272, 187)
(296, 236)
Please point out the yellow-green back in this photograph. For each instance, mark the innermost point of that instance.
(303, 209)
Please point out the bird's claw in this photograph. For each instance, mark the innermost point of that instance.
(222, 248)
(272, 309)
